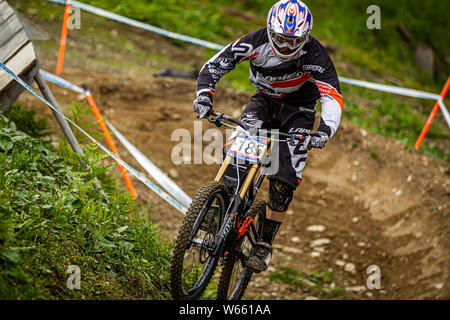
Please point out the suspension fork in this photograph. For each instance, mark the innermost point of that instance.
(223, 168)
(237, 200)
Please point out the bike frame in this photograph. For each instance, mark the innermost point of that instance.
(234, 216)
(246, 227)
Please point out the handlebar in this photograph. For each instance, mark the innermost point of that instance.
(216, 118)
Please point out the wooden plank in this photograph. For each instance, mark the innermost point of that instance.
(13, 45)
(12, 92)
(17, 64)
(5, 11)
(9, 28)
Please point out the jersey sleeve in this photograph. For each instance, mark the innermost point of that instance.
(227, 59)
(327, 82)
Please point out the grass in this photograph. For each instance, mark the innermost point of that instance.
(320, 283)
(51, 217)
(399, 119)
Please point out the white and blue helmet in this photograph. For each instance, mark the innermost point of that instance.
(289, 24)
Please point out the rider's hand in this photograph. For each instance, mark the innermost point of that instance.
(318, 139)
(203, 104)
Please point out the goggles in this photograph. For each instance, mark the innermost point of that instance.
(282, 40)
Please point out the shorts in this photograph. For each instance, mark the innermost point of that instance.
(267, 113)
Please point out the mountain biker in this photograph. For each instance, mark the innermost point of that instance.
(291, 71)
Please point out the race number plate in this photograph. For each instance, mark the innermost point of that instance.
(249, 149)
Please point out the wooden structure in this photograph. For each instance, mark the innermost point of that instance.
(17, 53)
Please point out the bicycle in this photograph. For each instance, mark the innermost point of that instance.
(223, 222)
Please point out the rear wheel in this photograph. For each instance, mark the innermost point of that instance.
(235, 276)
(192, 265)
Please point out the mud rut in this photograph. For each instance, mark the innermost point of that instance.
(379, 203)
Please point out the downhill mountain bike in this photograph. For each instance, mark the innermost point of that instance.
(224, 221)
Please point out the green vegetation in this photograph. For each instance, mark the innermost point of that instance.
(52, 217)
(320, 283)
(397, 119)
(217, 21)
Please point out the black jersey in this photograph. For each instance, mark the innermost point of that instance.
(303, 80)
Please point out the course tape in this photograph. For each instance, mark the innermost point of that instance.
(141, 25)
(152, 169)
(61, 82)
(400, 91)
(148, 183)
(391, 89)
(218, 47)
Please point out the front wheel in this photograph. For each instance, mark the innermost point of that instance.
(192, 265)
(235, 276)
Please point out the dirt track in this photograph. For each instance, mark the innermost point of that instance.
(380, 203)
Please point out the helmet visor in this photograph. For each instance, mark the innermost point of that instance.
(287, 43)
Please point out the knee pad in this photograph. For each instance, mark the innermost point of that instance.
(280, 196)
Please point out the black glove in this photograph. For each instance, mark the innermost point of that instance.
(203, 104)
(318, 139)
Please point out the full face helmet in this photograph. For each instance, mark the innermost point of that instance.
(289, 24)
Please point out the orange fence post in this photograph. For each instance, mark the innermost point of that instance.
(62, 44)
(432, 115)
(109, 140)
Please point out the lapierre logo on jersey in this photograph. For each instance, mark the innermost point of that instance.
(241, 50)
(285, 77)
(313, 68)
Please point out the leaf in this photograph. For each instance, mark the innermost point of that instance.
(77, 204)
(122, 229)
(5, 143)
(25, 224)
(47, 179)
(12, 255)
(127, 246)
(11, 172)
(106, 243)
(61, 221)
(59, 163)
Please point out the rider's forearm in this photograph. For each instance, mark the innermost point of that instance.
(331, 116)
(213, 70)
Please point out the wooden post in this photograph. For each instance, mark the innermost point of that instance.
(48, 95)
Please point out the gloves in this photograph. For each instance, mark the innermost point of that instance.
(203, 104)
(318, 140)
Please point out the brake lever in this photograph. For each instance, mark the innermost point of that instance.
(307, 142)
(293, 138)
(215, 120)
